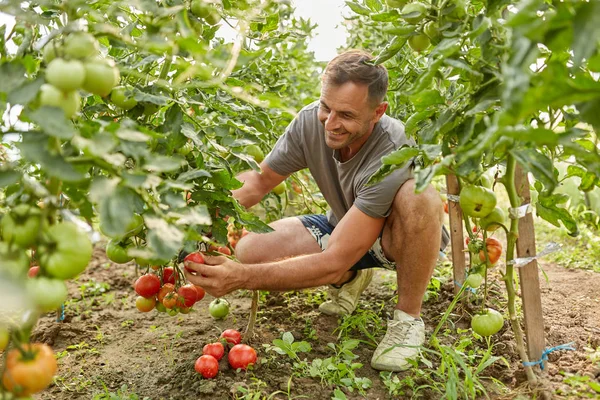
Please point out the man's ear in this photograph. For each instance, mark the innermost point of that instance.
(379, 111)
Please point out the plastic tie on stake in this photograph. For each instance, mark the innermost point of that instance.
(566, 346)
(520, 212)
(523, 261)
(454, 198)
(470, 289)
(60, 314)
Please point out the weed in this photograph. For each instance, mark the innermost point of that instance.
(121, 394)
(367, 322)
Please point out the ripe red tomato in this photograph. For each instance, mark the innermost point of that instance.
(224, 250)
(166, 289)
(25, 376)
(446, 207)
(147, 285)
(170, 300)
(145, 304)
(207, 366)
(232, 336)
(189, 294)
(200, 292)
(168, 275)
(494, 250)
(214, 349)
(196, 258)
(33, 271)
(241, 356)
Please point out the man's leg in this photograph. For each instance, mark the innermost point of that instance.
(411, 238)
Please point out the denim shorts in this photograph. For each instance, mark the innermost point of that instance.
(321, 229)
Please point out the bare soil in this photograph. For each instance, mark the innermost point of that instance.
(105, 342)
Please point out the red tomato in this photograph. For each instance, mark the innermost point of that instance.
(224, 250)
(494, 250)
(200, 292)
(214, 349)
(207, 366)
(232, 336)
(170, 300)
(27, 376)
(169, 275)
(33, 271)
(145, 304)
(241, 356)
(166, 289)
(446, 207)
(189, 294)
(147, 285)
(196, 258)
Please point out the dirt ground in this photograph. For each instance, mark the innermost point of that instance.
(105, 343)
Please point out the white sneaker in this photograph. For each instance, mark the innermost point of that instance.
(344, 300)
(405, 334)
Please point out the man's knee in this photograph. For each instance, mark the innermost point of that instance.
(417, 210)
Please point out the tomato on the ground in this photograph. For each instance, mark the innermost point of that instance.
(241, 356)
(207, 366)
(232, 336)
(217, 350)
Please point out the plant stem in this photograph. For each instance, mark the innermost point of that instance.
(511, 238)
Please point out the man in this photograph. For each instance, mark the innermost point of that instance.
(341, 139)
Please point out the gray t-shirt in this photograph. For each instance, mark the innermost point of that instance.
(343, 184)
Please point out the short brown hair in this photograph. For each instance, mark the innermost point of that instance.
(354, 66)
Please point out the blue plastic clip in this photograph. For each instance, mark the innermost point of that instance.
(60, 315)
(567, 346)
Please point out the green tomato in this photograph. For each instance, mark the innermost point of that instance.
(455, 10)
(419, 42)
(255, 152)
(117, 252)
(199, 9)
(417, 12)
(14, 261)
(486, 181)
(186, 149)
(134, 227)
(22, 225)
(80, 45)
(67, 251)
(150, 109)
(172, 312)
(47, 293)
(477, 201)
(122, 96)
(4, 338)
(279, 189)
(396, 3)
(474, 280)
(493, 220)
(160, 307)
(69, 102)
(213, 17)
(218, 308)
(100, 77)
(65, 75)
(432, 30)
(488, 323)
(50, 51)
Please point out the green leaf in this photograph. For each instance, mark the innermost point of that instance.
(386, 16)
(12, 75)
(586, 30)
(151, 98)
(400, 156)
(196, 215)
(26, 92)
(52, 120)
(163, 163)
(163, 238)
(426, 98)
(390, 50)
(34, 148)
(288, 337)
(538, 164)
(357, 8)
(547, 209)
(9, 177)
(116, 205)
(413, 121)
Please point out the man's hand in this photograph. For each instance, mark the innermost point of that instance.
(218, 275)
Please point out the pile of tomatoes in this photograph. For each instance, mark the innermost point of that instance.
(240, 356)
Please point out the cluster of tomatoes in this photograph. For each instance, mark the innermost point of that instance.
(240, 356)
(163, 294)
(37, 254)
(74, 62)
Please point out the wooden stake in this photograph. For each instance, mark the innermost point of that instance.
(457, 239)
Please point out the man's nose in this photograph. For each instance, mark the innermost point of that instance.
(332, 122)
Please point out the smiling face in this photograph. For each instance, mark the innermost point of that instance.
(349, 116)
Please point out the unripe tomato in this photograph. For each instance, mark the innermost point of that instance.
(186, 149)
(5, 338)
(147, 285)
(122, 96)
(33, 271)
(47, 294)
(145, 304)
(255, 152)
(279, 189)
(22, 225)
(189, 294)
(218, 308)
(432, 30)
(207, 366)
(488, 323)
(14, 261)
(170, 300)
(69, 102)
(417, 12)
(217, 350)
(67, 252)
(24, 376)
(419, 42)
(100, 77)
(160, 307)
(117, 252)
(474, 280)
(493, 220)
(232, 336)
(494, 250)
(168, 275)
(50, 52)
(241, 356)
(80, 45)
(396, 3)
(164, 290)
(65, 75)
(477, 201)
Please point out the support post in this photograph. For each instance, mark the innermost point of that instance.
(457, 240)
(529, 275)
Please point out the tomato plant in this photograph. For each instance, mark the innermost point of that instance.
(116, 251)
(31, 372)
(217, 350)
(207, 366)
(488, 323)
(232, 336)
(218, 308)
(21, 226)
(65, 75)
(66, 251)
(477, 201)
(241, 356)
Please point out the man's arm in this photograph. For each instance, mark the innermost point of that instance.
(256, 185)
(351, 239)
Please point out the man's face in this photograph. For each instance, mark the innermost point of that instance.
(348, 116)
